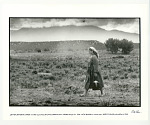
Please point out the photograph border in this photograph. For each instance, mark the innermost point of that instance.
(139, 8)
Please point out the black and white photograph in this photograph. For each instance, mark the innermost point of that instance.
(74, 61)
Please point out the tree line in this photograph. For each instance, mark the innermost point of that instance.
(115, 45)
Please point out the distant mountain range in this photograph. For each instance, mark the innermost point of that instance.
(62, 33)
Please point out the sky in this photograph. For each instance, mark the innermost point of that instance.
(130, 25)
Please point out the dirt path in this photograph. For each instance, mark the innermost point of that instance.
(41, 97)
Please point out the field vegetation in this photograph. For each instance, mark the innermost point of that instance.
(56, 78)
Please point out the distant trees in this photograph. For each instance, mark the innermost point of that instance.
(114, 45)
(127, 46)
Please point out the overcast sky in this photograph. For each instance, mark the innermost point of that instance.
(123, 24)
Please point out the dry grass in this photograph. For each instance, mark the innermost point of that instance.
(30, 86)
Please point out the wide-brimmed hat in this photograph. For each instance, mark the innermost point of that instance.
(93, 49)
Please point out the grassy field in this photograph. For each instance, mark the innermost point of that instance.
(65, 80)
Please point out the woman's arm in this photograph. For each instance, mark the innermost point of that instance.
(95, 64)
(90, 65)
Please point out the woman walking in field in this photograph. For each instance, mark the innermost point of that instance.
(93, 76)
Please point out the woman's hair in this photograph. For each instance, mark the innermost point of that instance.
(96, 54)
(94, 51)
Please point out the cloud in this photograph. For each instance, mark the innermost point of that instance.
(123, 21)
(34, 22)
(127, 25)
(124, 24)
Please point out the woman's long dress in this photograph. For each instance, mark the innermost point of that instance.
(93, 74)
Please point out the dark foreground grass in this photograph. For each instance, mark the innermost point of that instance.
(64, 84)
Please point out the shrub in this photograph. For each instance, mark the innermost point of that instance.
(126, 46)
(47, 71)
(30, 67)
(122, 77)
(50, 77)
(58, 66)
(46, 49)
(115, 77)
(112, 45)
(44, 83)
(105, 77)
(118, 57)
(66, 71)
(125, 75)
(133, 76)
(38, 50)
(71, 89)
(34, 72)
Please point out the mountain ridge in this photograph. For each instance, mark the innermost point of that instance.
(58, 33)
